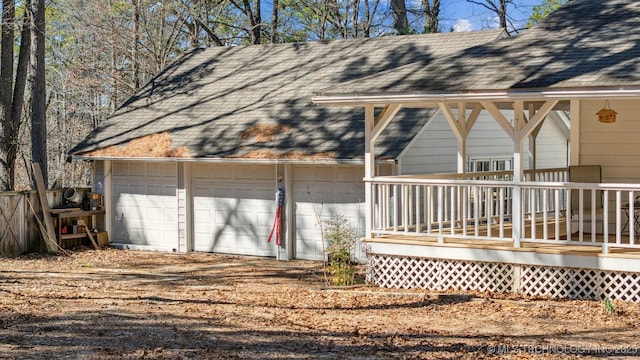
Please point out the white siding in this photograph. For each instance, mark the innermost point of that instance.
(326, 192)
(434, 150)
(552, 145)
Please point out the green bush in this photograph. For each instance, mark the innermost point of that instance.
(341, 241)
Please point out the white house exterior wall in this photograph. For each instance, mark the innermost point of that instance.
(614, 146)
(435, 148)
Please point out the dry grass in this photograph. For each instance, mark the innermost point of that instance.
(298, 155)
(110, 304)
(154, 145)
(264, 132)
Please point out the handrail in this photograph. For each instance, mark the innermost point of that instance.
(506, 174)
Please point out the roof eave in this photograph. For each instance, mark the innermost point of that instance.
(232, 160)
(408, 99)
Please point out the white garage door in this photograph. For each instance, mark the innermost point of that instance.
(145, 205)
(328, 191)
(234, 208)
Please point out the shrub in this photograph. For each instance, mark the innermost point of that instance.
(341, 241)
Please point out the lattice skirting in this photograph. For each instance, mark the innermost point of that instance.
(555, 282)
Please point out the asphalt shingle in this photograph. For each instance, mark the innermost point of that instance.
(208, 98)
(584, 44)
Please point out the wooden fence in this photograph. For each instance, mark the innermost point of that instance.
(19, 231)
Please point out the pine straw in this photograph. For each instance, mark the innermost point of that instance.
(264, 132)
(154, 145)
(298, 155)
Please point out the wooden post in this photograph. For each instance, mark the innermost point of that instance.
(86, 229)
(50, 238)
(369, 166)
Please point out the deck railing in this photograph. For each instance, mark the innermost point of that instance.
(549, 212)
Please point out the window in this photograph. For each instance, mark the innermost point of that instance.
(490, 164)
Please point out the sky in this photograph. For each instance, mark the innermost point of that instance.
(461, 15)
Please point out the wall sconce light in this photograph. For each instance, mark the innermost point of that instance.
(606, 114)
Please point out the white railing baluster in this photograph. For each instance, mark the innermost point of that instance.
(568, 213)
(430, 208)
(556, 200)
(440, 209)
(581, 215)
(452, 200)
(418, 213)
(406, 207)
(605, 222)
(476, 211)
(630, 218)
(618, 217)
(488, 206)
(532, 212)
(594, 220)
(465, 209)
(502, 210)
(395, 207)
(545, 223)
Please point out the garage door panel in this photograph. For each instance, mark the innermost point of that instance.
(240, 199)
(169, 216)
(225, 217)
(223, 243)
(145, 203)
(332, 191)
(136, 189)
(120, 169)
(137, 169)
(246, 220)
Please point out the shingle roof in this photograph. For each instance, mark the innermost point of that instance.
(210, 99)
(584, 44)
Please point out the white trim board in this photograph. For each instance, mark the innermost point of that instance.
(515, 257)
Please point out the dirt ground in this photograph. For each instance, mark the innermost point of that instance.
(105, 304)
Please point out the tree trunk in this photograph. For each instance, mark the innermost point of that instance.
(12, 94)
(400, 22)
(503, 14)
(499, 7)
(6, 90)
(136, 44)
(38, 90)
(431, 16)
(274, 22)
(255, 20)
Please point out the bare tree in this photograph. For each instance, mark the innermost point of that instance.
(12, 93)
(38, 88)
(274, 22)
(399, 13)
(431, 16)
(254, 18)
(500, 9)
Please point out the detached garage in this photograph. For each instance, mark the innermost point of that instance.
(192, 162)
